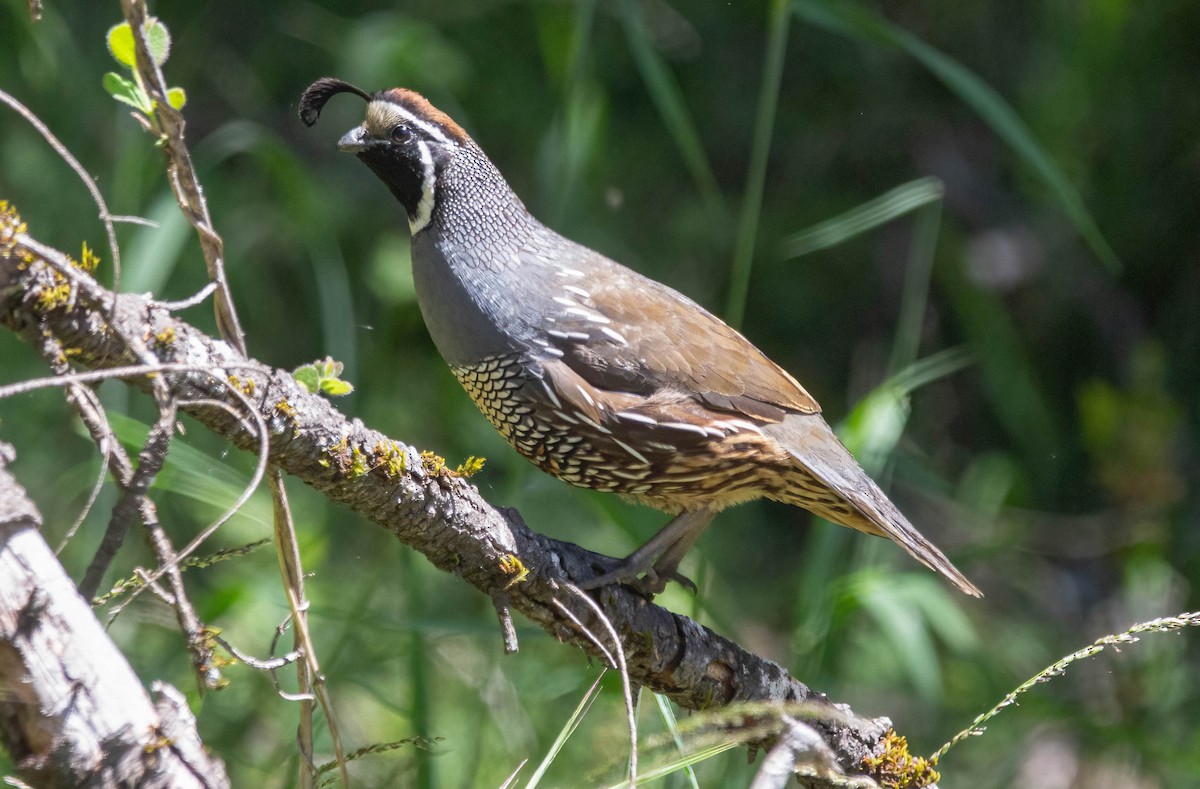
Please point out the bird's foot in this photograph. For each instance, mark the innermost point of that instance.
(647, 580)
(659, 558)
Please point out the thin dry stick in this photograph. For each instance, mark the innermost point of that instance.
(292, 575)
(91, 412)
(273, 664)
(132, 502)
(193, 629)
(621, 666)
(168, 122)
(308, 671)
(1058, 668)
(260, 431)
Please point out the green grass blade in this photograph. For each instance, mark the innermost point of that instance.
(756, 176)
(567, 730)
(916, 286)
(667, 96)
(668, 716)
(875, 425)
(853, 21)
(858, 220)
(685, 762)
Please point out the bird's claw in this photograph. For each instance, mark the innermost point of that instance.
(651, 583)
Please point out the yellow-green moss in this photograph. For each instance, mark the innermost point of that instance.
(388, 459)
(11, 226)
(511, 565)
(246, 386)
(164, 340)
(470, 467)
(896, 768)
(54, 296)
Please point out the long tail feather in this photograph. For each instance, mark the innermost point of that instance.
(830, 483)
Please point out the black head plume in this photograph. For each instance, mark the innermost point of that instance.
(315, 95)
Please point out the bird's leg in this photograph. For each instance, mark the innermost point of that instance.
(660, 556)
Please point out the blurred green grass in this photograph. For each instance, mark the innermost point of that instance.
(960, 178)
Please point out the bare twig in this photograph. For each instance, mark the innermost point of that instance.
(280, 629)
(193, 629)
(623, 668)
(182, 175)
(272, 664)
(508, 630)
(91, 412)
(308, 671)
(132, 502)
(192, 300)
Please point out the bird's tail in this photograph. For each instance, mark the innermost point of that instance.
(828, 481)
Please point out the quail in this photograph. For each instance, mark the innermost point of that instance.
(598, 375)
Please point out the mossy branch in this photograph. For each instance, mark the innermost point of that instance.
(440, 514)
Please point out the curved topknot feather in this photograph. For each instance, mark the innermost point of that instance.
(317, 94)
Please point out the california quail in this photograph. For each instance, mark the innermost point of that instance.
(598, 375)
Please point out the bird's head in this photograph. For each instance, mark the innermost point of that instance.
(405, 140)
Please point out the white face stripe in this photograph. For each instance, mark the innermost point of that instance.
(418, 222)
(383, 115)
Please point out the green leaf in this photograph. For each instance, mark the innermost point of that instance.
(329, 368)
(858, 220)
(176, 97)
(120, 44)
(323, 376)
(308, 377)
(126, 91)
(336, 387)
(158, 41)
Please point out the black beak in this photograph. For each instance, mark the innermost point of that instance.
(355, 141)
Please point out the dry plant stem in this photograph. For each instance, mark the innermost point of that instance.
(621, 666)
(1059, 667)
(91, 412)
(193, 629)
(273, 664)
(443, 517)
(133, 501)
(292, 574)
(73, 712)
(287, 550)
(508, 631)
(182, 176)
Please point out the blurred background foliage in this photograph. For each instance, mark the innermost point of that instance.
(1032, 282)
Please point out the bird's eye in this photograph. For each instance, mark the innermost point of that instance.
(401, 133)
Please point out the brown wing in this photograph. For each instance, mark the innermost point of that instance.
(621, 331)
